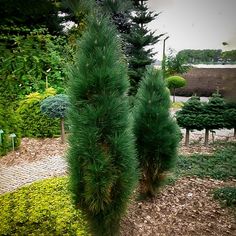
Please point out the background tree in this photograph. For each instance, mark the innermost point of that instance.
(230, 116)
(56, 107)
(157, 134)
(190, 116)
(138, 39)
(175, 66)
(101, 154)
(213, 117)
(174, 82)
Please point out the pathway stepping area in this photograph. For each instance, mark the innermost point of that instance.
(13, 177)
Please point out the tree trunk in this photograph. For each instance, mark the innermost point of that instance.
(187, 137)
(206, 137)
(174, 95)
(62, 130)
(235, 133)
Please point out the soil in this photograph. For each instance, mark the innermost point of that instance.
(184, 208)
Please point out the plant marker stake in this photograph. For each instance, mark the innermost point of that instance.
(12, 136)
(1, 132)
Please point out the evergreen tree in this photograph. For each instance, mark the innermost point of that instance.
(157, 134)
(190, 116)
(213, 117)
(230, 116)
(138, 39)
(101, 155)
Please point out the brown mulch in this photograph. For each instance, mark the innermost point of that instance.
(33, 149)
(185, 208)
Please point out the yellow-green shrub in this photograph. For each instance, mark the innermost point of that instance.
(42, 208)
(35, 123)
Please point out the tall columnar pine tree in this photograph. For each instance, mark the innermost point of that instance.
(190, 116)
(138, 39)
(213, 117)
(101, 156)
(157, 134)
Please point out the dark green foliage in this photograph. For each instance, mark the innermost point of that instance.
(230, 115)
(229, 56)
(55, 106)
(101, 156)
(189, 116)
(175, 65)
(213, 110)
(138, 39)
(157, 135)
(33, 14)
(227, 196)
(36, 124)
(221, 165)
(205, 56)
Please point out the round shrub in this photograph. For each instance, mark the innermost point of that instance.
(36, 124)
(42, 208)
(56, 107)
(174, 82)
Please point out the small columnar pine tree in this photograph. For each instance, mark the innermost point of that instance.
(190, 116)
(157, 134)
(102, 153)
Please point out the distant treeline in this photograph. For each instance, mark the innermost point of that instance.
(207, 56)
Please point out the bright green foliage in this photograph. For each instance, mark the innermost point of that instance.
(213, 117)
(139, 38)
(157, 135)
(9, 120)
(101, 155)
(174, 82)
(35, 123)
(33, 61)
(55, 106)
(229, 56)
(43, 208)
(227, 196)
(189, 116)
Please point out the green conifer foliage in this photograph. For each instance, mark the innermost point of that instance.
(213, 117)
(157, 134)
(138, 39)
(230, 116)
(101, 155)
(190, 116)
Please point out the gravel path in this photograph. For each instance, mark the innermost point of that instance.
(13, 177)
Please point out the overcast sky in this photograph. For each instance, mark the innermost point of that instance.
(195, 24)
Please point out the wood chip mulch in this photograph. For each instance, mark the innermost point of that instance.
(185, 208)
